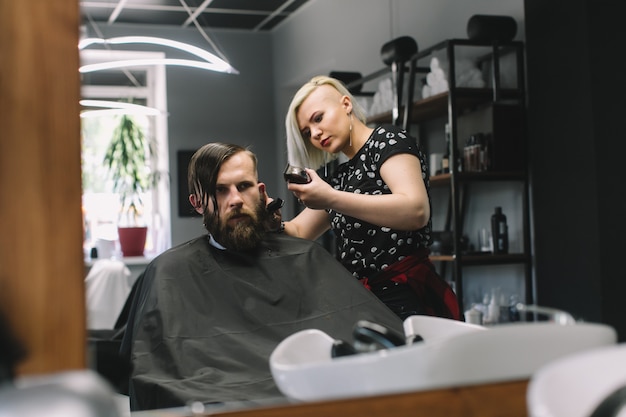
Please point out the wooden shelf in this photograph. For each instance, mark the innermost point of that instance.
(426, 109)
(444, 179)
(490, 259)
(504, 109)
(483, 259)
(442, 258)
(437, 105)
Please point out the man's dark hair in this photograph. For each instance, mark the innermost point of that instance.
(204, 167)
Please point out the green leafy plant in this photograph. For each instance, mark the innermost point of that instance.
(127, 160)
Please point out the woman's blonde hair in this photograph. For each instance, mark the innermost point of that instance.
(301, 152)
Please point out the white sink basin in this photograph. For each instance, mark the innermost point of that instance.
(575, 385)
(452, 353)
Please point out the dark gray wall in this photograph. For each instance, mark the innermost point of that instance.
(208, 106)
(576, 110)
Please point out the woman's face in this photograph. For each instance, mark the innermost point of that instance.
(323, 119)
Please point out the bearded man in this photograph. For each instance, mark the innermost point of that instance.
(209, 312)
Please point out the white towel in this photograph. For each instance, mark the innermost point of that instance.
(467, 75)
(434, 64)
(383, 98)
(107, 288)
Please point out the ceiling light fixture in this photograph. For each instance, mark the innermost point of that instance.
(116, 107)
(211, 62)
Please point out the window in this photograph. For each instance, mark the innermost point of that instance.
(145, 86)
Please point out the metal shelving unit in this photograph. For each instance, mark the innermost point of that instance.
(453, 103)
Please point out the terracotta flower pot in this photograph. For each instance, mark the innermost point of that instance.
(132, 240)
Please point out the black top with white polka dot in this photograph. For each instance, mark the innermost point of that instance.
(364, 248)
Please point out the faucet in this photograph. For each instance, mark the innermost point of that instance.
(555, 315)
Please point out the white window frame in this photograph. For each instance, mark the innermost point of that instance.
(155, 94)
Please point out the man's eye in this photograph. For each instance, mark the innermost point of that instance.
(244, 186)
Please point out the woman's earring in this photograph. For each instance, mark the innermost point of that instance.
(350, 114)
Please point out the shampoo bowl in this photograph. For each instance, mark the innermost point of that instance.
(451, 354)
(580, 384)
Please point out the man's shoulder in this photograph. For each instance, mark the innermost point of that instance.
(183, 249)
(199, 249)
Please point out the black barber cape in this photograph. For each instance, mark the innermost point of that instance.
(205, 321)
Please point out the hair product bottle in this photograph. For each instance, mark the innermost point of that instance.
(499, 232)
(445, 160)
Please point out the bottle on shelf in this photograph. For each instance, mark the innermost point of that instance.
(493, 309)
(445, 160)
(469, 154)
(499, 232)
(485, 152)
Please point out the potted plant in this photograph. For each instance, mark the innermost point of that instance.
(127, 160)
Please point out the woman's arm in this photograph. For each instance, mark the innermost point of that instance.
(406, 208)
(309, 224)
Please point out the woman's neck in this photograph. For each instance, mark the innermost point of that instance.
(359, 135)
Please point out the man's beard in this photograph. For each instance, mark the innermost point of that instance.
(245, 235)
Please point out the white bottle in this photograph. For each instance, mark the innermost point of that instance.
(474, 316)
(493, 309)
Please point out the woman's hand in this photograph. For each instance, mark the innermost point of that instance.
(317, 194)
(406, 208)
(274, 220)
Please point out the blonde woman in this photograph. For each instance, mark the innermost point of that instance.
(377, 202)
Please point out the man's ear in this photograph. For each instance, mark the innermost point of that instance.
(195, 202)
(261, 187)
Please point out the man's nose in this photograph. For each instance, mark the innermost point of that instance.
(236, 199)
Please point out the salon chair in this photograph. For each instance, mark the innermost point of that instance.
(104, 346)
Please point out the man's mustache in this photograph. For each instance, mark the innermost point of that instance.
(239, 213)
